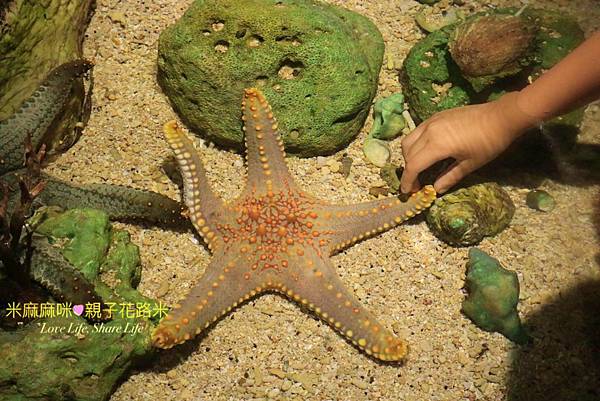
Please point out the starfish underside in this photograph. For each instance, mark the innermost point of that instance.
(275, 237)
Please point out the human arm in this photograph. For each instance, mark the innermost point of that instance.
(474, 135)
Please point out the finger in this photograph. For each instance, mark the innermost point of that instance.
(417, 163)
(408, 141)
(456, 172)
(416, 147)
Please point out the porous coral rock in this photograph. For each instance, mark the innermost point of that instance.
(318, 64)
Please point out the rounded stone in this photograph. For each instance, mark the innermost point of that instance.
(317, 64)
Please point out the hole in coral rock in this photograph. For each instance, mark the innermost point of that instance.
(358, 72)
(262, 80)
(288, 39)
(290, 69)
(308, 96)
(205, 32)
(255, 41)
(222, 46)
(218, 26)
(240, 33)
(279, 4)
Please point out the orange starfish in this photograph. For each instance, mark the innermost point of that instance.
(275, 237)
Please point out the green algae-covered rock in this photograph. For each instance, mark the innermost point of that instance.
(316, 63)
(432, 80)
(88, 232)
(559, 35)
(427, 64)
(464, 217)
(493, 296)
(388, 121)
(541, 200)
(37, 36)
(67, 357)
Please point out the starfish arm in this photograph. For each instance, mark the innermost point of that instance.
(222, 287)
(120, 202)
(35, 116)
(264, 148)
(203, 205)
(350, 224)
(320, 289)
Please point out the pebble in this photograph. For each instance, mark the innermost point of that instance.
(463, 358)
(361, 384)
(273, 393)
(346, 166)
(277, 372)
(286, 385)
(321, 161)
(163, 289)
(335, 167)
(118, 18)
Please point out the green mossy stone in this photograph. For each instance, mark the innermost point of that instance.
(558, 36)
(88, 366)
(86, 234)
(493, 296)
(429, 62)
(317, 65)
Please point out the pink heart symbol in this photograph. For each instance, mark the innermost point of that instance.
(78, 309)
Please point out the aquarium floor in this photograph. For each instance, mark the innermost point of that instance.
(270, 348)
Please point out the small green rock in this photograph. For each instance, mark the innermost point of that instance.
(376, 151)
(540, 200)
(431, 21)
(317, 64)
(493, 294)
(391, 175)
(387, 117)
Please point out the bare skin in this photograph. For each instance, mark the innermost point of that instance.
(475, 135)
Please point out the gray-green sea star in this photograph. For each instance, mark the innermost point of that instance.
(275, 237)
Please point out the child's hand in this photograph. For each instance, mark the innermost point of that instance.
(472, 135)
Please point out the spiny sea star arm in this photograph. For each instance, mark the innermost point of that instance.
(264, 148)
(320, 289)
(221, 288)
(354, 223)
(120, 202)
(37, 113)
(203, 205)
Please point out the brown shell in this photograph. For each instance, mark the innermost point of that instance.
(488, 45)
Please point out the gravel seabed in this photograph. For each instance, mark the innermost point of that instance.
(270, 348)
